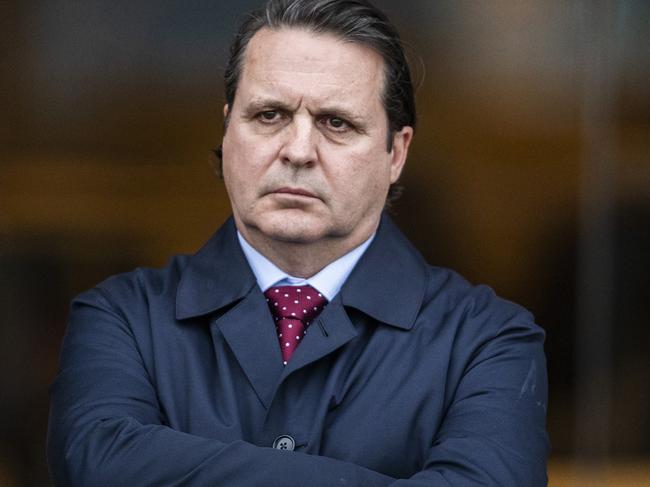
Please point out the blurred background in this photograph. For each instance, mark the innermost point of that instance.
(530, 172)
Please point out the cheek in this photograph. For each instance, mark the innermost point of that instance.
(361, 181)
(246, 154)
(237, 159)
(370, 170)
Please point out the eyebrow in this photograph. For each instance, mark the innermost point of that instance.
(267, 104)
(262, 104)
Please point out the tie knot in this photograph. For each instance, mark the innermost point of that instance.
(297, 302)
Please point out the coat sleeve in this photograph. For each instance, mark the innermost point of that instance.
(106, 426)
(494, 431)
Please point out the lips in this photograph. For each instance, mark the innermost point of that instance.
(294, 191)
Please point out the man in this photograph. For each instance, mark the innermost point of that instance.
(307, 343)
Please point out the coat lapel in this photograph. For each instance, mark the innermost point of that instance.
(250, 333)
(218, 277)
(215, 277)
(330, 331)
(389, 281)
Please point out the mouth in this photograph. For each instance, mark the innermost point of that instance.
(294, 192)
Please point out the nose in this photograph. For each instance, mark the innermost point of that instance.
(299, 146)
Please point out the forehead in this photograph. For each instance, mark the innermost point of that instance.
(317, 66)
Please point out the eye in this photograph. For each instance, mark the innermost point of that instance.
(268, 116)
(336, 124)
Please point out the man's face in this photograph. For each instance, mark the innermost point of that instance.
(305, 153)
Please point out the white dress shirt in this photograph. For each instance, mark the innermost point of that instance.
(328, 281)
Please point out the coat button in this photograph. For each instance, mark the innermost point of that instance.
(284, 442)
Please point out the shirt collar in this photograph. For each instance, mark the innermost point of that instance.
(327, 281)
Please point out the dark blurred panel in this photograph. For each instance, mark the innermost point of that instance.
(122, 78)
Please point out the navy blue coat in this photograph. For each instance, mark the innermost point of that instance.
(410, 376)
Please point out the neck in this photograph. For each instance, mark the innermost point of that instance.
(300, 259)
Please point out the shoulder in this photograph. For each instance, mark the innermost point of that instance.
(450, 290)
(154, 281)
(130, 293)
(184, 277)
(471, 312)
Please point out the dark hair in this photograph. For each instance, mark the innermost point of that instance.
(356, 21)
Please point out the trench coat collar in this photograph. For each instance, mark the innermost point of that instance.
(216, 276)
(388, 282)
(390, 271)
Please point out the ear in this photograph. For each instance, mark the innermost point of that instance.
(399, 152)
(226, 109)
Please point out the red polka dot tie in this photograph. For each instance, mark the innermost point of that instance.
(293, 308)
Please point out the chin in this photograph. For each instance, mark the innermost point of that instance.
(295, 235)
(293, 228)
